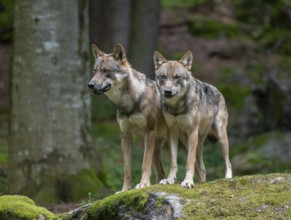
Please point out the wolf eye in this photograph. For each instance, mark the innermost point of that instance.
(177, 77)
(106, 72)
(163, 76)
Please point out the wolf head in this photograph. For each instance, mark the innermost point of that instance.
(110, 70)
(172, 76)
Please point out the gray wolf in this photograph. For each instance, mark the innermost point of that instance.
(192, 109)
(138, 103)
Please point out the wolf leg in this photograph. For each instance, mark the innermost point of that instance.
(126, 144)
(220, 129)
(147, 159)
(160, 173)
(199, 164)
(173, 143)
(191, 159)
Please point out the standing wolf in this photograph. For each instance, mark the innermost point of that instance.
(192, 109)
(138, 104)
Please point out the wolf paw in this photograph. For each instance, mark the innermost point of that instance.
(142, 185)
(228, 174)
(167, 181)
(187, 184)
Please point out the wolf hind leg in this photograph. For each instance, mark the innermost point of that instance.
(220, 127)
(160, 173)
(199, 163)
(149, 148)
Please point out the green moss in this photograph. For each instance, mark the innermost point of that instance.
(210, 28)
(47, 194)
(258, 196)
(71, 188)
(237, 198)
(108, 207)
(22, 208)
(82, 184)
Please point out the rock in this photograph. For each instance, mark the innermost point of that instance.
(248, 197)
(268, 151)
(251, 120)
(268, 108)
(278, 149)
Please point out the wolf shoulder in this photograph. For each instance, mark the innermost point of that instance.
(209, 93)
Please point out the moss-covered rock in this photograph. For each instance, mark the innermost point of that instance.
(267, 152)
(257, 197)
(22, 208)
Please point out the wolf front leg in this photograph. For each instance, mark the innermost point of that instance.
(191, 159)
(173, 143)
(149, 146)
(126, 144)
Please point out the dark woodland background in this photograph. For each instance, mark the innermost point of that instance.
(60, 144)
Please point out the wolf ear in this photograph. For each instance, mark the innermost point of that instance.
(158, 59)
(119, 53)
(187, 60)
(96, 51)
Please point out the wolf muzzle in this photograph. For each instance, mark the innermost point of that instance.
(168, 93)
(98, 90)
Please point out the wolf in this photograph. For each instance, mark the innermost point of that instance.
(138, 103)
(192, 110)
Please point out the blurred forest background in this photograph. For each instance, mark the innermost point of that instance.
(59, 143)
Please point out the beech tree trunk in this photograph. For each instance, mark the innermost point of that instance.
(50, 116)
(144, 35)
(109, 23)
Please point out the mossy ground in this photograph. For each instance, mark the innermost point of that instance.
(21, 208)
(247, 197)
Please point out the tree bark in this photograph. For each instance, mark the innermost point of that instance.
(50, 116)
(144, 35)
(110, 23)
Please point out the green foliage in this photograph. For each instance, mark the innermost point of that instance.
(265, 13)
(21, 207)
(102, 109)
(6, 19)
(268, 22)
(181, 3)
(209, 28)
(234, 95)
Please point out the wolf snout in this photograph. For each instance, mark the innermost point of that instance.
(98, 89)
(168, 93)
(91, 85)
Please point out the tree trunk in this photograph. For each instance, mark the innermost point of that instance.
(144, 35)
(50, 118)
(110, 23)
